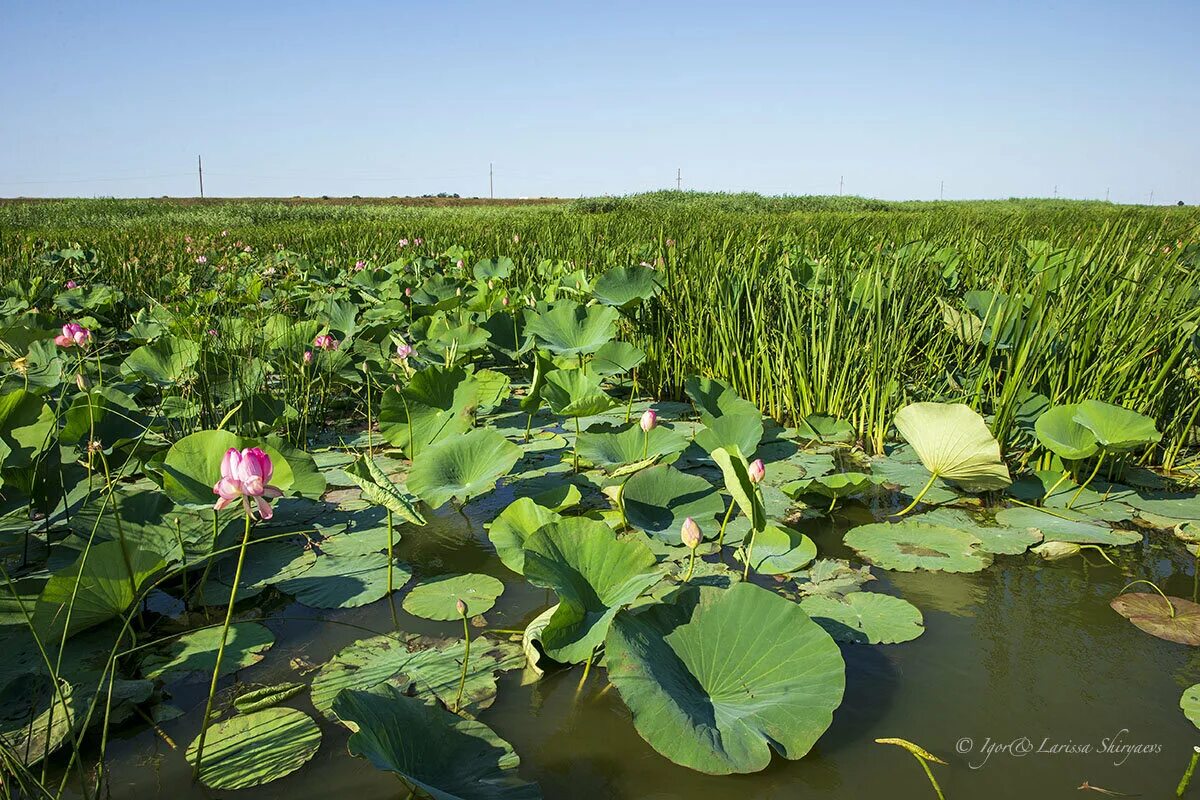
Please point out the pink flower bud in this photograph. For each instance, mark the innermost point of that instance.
(73, 335)
(690, 533)
(404, 242)
(359, 265)
(649, 420)
(308, 356)
(201, 259)
(757, 471)
(504, 302)
(462, 607)
(325, 342)
(403, 351)
(417, 242)
(408, 292)
(71, 284)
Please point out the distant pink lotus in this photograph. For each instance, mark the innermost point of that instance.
(359, 265)
(308, 356)
(246, 475)
(73, 335)
(403, 351)
(71, 284)
(325, 342)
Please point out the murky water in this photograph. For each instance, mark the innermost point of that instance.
(1026, 655)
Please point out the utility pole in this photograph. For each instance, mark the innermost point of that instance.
(1106, 194)
(491, 182)
(841, 183)
(200, 170)
(1056, 190)
(1151, 197)
(678, 179)
(942, 191)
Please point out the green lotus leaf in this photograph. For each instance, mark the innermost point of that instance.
(954, 443)
(437, 598)
(616, 358)
(736, 472)
(832, 487)
(432, 667)
(497, 268)
(25, 425)
(253, 749)
(779, 550)
(627, 286)
(106, 415)
(508, 532)
(531, 640)
(608, 445)
(100, 585)
(1190, 703)
(593, 573)
(575, 393)
(911, 477)
(267, 696)
(1117, 429)
(1106, 502)
(1064, 526)
(167, 361)
(1178, 506)
(194, 654)
(910, 545)
(378, 489)
(997, 539)
(1176, 621)
(737, 431)
(831, 577)
(568, 329)
(345, 581)
(822, 428)
(866, 617)
(434, 752)
(463, 467)
(266, 563)
(193, 465)
(658, 500)
(718, 678)
(1059, 433)
(436, 404)
(714, 399)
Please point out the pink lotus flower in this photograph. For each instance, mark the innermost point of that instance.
(404, 242)
(403, 351)
(201, 259)
(325, 342)
(504, 302)
(246, 474)
(757, 471)
(212, 331)
(308, 356)
(417, 242)
(73, 335)
(649, 420)
(690, 533)
(359, 265)
(408, 291)
(459, 263)
(71, 284)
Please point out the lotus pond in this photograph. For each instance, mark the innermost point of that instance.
(422, 528)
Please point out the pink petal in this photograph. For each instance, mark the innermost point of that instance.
(64, 341)
(228, 488)
(223, 503)
(229, 464)
(253, 486)
(264, 508)
(272, 492)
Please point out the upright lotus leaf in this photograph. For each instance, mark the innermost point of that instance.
(1170, 618)
(435, 405)
(464, 467)
(1117, 429)
(718, 678)
(568, 329)
(910, 545)
(594, 575)
(493, 388)
(253, 749)
(194, 654)
(1059, 433)
(831, 487)
(496, 268)
(659, 499)
(627, 286)
(25, 426)
(431, 668)
(434, 752)
(608, 446)
(736, 472)
(100, 585)
(103, 414)
(616, 358)
(823, 428)
(437, 598)
(193, 465)
(779, 550)
(738, 430)
(954, 443)
(167, 361)
(866, 617)
(508, 532)
(378, 489)
(714, 399)
(531, 641)
(575, 393)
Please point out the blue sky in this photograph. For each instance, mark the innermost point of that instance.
(996, 99)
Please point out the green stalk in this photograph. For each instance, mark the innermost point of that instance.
(917, 499)
(1079, 491)
(462, 680)
(1187, 776)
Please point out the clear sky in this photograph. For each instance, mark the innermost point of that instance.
(996, 99)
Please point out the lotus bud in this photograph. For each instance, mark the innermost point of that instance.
(359, 265)
(212, 331)
(417, 242)
(757, 471)
(308, 356)
(71, 284)
(462, 607)
(403, 351)
(491, 285)
(690, 533)
(649, 420)
(504, 302)
(404, 242)
(82, 382)
(516, 238)
(408, 292)
(458, 292)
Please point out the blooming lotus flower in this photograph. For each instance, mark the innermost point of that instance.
(308, 356)
(212, 331)
(757, 471)
(325, 342)
(404, 242)
(73, 335)
(459, 264)
(71, 284)
(246, 475)
(359, 265)
(649, 420)
(403, 351)
(417, 242)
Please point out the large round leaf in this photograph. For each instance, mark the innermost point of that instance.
(462, 467)
(253, 749)
(436, 404)
(866, 617)
(1117, 429)
(569, 329)
(594, 575)
(779, 549)
(437, 598)
(607, 445)
(627, 286)
(1058, 431)
(909, 545)
(954, 443)
(719, 677)
(1061, 525)
(165, 361)
(195, 653)
(997, 539)
(659, 499)
(345, 581)
(575, 393)
(193, 465)
(516, 523)
(1190, 703)
(1178, 621)
(433, 751)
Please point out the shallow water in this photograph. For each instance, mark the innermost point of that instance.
(1025, 655)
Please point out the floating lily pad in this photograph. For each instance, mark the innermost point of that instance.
(194, 654)
(437, 598)
(1061, 525)
(660, 498)
(1190, 703)
(996, 539)
(433, 751)
(831, 577)
(463, 467)
(910, 545)
(866, 617)
(253, 749)
(719, 677)
(779, 549)
(1178, 506)
(911, 477)
(345, 581)
(1177, 622)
